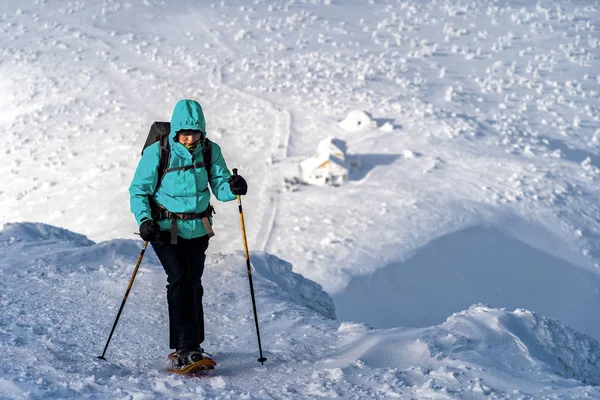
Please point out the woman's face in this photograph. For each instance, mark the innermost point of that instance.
(189, 138)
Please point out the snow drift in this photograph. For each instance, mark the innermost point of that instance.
(298, 288)
(479, 264)
(59, 293)
(500, 344)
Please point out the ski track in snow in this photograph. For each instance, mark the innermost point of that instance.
(278, 152)
(269, 200)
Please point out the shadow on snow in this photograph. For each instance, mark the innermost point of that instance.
(476, 265)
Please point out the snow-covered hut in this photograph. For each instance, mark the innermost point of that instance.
(328, 166)
(357, 121)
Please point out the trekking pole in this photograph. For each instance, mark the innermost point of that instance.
(239, 198)
(137, 266)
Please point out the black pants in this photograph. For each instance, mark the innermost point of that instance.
(184, 265)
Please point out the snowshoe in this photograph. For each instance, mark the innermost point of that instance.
(202, 365)
(189, 361)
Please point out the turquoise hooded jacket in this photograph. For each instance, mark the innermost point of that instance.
(182, 191)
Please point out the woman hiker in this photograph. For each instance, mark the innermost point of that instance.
(173, 214)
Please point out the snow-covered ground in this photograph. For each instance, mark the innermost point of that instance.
(479, 184)
(59, 293)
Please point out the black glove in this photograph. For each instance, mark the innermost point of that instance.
(149, 230)
(238, 185)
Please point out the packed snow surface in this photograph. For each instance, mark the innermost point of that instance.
(476, 181)
(59, 294)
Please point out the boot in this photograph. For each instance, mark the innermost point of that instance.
(187, 356)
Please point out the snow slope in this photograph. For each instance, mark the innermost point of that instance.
(60, 292)
(479, 183)
(493, 108)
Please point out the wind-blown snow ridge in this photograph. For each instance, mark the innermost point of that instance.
(544, 342)
(56, 316)
(37, 233)
(68, 249)
(300, 289)
(520, 344)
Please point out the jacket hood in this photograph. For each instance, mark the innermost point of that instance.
(187, 114)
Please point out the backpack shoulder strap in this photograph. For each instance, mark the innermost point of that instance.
(163, 159)
(207, 156)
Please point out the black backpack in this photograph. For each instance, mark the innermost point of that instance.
(159, 132)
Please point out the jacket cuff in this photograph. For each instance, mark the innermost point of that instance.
(144, 217)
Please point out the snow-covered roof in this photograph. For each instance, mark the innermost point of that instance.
(332, 145)
(357, 121)
(331, 153)
(323, 161)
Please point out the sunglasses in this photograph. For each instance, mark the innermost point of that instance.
(190, 132)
